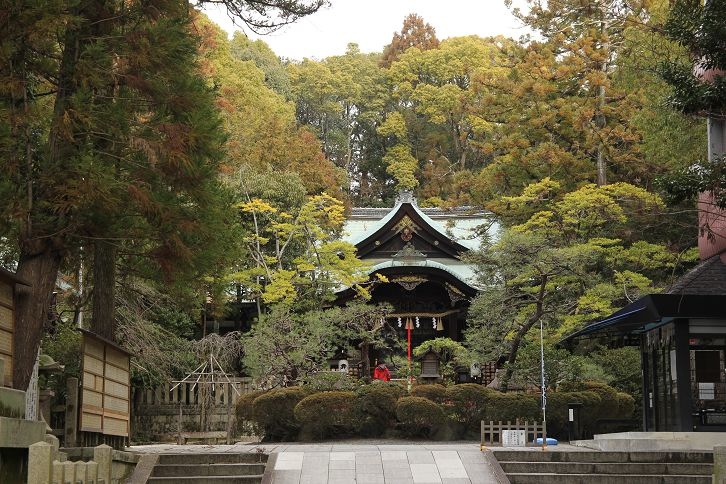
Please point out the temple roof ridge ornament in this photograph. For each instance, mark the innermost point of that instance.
(406, 196)
(409, 253)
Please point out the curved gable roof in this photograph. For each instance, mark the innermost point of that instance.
(425, 227)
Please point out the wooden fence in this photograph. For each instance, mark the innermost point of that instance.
(160, 414)
(491, 432)
(188, 393)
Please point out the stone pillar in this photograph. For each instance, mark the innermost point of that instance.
(69, 473)
(92, 472)
(71, 430)
(40, 463)
(102, 455)
(719, 465)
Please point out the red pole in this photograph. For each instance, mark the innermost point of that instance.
(409, 354)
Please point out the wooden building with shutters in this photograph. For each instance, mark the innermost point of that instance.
(9, 283)
(105, 392)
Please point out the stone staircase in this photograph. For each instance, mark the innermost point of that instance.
(569, 467)
(225, 468)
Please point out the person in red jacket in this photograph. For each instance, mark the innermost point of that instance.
(381, 372)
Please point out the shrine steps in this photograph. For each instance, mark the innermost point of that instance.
(226, 468)
(569, 467)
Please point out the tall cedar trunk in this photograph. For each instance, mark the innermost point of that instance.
(103, 322)
(40, 268)
(41, 257)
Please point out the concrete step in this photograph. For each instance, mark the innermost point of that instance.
(691, 457)
(182, 470)
(633, 468)
(220, 458)
(206, 480)
(540, 478)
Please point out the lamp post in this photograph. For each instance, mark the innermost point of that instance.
(544, 389)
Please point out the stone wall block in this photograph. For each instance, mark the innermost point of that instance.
(719, 465)
(40, 462)
(102, 455)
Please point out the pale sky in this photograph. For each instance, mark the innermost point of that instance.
(371, 24)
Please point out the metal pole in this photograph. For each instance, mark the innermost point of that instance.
(544, 389)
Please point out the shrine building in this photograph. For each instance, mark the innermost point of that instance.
(421, 254)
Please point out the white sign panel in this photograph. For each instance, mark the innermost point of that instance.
(514, 438)
(706, 391)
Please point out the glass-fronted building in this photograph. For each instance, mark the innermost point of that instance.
(682, 337)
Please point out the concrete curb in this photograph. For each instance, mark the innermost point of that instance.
(495, 467)
(269, 468)
(143, 469)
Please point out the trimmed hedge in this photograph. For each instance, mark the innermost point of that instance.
(466, 405)
(244, 411)
(376, 407)
(326, 414)
(510, 407)
(274, 413)
(381, 409)
(419, 417)
(434, 392)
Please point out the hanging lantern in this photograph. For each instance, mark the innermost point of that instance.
(439, 325)
(409, 323)
(418, 323)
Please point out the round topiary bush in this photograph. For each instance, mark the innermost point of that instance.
(419, 417)
(326, 414)
(466, 405)
(434, 392)
(244, 412)
(273, 413)
(376, 407)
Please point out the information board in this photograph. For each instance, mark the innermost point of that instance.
(514, 438)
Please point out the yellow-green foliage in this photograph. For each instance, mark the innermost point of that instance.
(297, 250)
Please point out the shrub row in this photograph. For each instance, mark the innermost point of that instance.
(433, 411)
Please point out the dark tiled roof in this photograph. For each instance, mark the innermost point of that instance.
(707, 278)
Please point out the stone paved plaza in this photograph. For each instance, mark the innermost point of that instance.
(360, 463)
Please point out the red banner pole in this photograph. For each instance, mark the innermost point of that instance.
(410, 372)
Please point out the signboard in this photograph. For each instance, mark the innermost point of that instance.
(7, 328)
(105, 388)
(514, 438)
